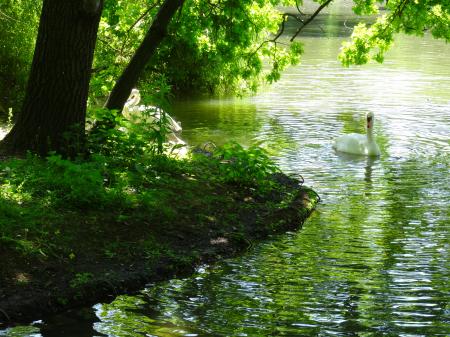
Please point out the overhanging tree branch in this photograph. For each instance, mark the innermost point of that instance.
(306, 22)
(273, 40)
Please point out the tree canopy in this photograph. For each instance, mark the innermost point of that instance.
(213, 46)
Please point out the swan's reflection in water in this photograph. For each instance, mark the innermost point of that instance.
(369, 163)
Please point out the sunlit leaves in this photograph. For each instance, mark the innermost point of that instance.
(296, 50)
(410, 17)
(241, 166)
(121, 30)
(367, 43)
(281, 58)
(227, 54)
(440, 21)
(365, 7)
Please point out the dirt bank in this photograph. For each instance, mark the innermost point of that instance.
(96, 255)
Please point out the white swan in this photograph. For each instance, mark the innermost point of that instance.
(131, 105)
(132, 110)
(356, 143)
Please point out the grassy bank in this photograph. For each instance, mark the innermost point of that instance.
(75, 232)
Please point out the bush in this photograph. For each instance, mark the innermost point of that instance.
(56, 182)
(247, 167)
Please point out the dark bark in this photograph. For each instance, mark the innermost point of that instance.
(56, 96)
(144, 53)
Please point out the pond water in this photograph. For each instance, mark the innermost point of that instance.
(373, 260)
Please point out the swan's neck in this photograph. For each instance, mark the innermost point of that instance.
(369, 130)
(371, 146)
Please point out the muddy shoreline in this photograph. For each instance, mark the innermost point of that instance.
(235, 220)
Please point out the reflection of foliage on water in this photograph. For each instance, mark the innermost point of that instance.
(21, 331)
(159, 311)
(372, 261)
(414, 234)
(276, 137)
(128, 316)
(218, 121)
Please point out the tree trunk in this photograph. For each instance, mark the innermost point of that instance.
(154, 36)
(54, 110)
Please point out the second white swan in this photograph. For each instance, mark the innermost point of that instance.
(359, 144)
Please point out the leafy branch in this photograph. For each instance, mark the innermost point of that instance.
(305, 23)
(397, 13)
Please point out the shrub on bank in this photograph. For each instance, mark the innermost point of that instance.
(38, 196)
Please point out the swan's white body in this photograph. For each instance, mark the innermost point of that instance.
(133, 111)
(359, 144)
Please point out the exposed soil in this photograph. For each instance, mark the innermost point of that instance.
(109, 255)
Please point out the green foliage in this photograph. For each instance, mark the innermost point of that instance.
(105, 182)
(366, 7)
(213, 46)
(80, 280)
(224, 45)
(367, 43)
(44, 201)
(120, 33)
(78, 184)
(19, 24)
(56, 182)
(250, 167)
(410, 17)
(116, 143)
